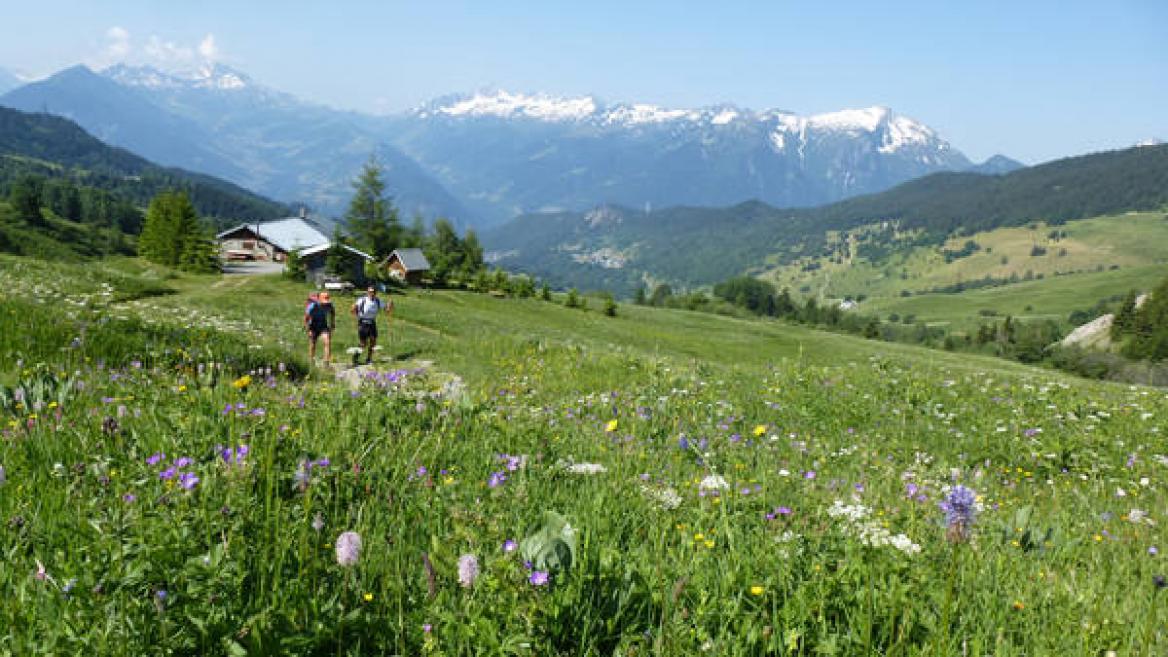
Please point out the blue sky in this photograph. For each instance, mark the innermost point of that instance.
(1035, 80)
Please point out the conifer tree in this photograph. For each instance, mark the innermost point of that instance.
(372, 219)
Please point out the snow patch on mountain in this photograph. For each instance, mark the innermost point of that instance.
(206, 76)
(640, 114)
(903, 131)
(506, 105)
(850, 120)
(724, 117)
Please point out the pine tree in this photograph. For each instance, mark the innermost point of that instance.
(444, 251)
(472, 254)
(294, 267)
(609, 305)
(1125, 317)
(372, 219)
(173, 235)
(338, 260)
(25, 198)
(415, 235)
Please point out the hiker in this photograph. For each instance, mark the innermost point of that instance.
(320, 318)
(365, 310)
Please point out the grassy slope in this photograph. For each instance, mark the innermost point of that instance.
(1135, 242)
(246, 572)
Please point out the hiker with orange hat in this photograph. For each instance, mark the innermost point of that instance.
(320, 318)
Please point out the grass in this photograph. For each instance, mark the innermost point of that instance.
(721, 454)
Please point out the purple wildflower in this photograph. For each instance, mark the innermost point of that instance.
(155, 458)
(538, 578)
(323, 462)
(509, 546)
(1152, 551)
(129, 498)
(166, 474)
(496, 479)
(188, 480)
(810, 474)
(182, 462)
(960, 507)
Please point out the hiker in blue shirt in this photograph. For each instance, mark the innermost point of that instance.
(366, 310)
(320, 318)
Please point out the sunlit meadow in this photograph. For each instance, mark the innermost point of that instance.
(175, 478)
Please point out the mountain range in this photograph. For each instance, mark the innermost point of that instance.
(487, 157)
(515, 153)
(621, 248)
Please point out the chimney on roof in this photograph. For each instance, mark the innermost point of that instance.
(303, 212)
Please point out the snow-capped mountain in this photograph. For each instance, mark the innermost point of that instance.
(509, 153)
(490, 156)
(785, 127)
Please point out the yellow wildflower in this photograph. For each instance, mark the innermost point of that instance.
(368, 597)
(611, 426)
(760, 430)
(756, 590)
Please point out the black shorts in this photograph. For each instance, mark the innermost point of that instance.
(366, 328)
(315, 332)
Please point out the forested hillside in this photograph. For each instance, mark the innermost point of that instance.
(52, 148)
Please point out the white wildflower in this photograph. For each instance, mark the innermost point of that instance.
(666, 497)
(713, 482)
(468, 570)
(585, 468)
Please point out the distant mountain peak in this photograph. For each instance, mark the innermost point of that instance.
(208, 75)
(997, 165)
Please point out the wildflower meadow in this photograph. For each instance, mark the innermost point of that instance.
(516, 477)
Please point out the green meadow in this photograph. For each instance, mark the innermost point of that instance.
(1087, 261)
(516, 477)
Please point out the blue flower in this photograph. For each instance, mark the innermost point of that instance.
(960, 507)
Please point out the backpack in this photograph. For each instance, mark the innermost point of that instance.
(318, 313)
(363, 305)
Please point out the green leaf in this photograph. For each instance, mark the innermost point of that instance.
(550, 546)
